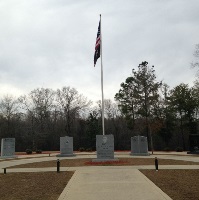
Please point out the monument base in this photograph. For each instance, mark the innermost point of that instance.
(4, 157)
(104, 160)
(65, 155)
(140, 154)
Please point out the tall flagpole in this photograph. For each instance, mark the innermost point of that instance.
(102, 76)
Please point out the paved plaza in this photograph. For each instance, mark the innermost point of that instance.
(105, 182)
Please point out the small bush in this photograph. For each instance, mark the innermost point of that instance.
(81, 149)
(167, 149)
(89, 149)
(28, 151)
(38, 151)
(196, 149)
(179, 149)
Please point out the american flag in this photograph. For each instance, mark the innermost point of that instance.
(97, 46)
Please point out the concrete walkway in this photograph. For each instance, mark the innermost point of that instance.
(43, 157)
(111, 184)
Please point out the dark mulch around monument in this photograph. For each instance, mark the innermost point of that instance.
(121, 162)
(179, 184)
(33, 186)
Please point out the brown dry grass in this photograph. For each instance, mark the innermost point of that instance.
(178, 184)
(33, 186)
(88, 161)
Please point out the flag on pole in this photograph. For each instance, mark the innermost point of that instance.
(97, 46)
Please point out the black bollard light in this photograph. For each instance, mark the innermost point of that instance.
(58, 166)
(4, 170)
(156, 163)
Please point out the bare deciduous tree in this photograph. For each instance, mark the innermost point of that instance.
(8, 109)
(71, 104)
(38, 105)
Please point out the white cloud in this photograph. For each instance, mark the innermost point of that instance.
(51, 43)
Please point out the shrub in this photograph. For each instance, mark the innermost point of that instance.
(196, 148)
(167, 149)
(179, 149)
(38, 151)
(28, 151)
(81, 149)
(89, 149)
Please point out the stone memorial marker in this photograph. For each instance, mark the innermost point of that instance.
(66, 147)
(8, 147)
(139, 146)
(105, 148)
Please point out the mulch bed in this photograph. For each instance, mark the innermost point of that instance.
(178, 184)
(121, 162)
(33, 186)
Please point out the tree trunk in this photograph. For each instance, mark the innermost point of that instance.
(182, 133)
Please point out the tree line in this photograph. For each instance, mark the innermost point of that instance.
(39, 119)
(142, 106)
(166, 116)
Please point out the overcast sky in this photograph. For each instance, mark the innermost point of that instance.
(50, 43)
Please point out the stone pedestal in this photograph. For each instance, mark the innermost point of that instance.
(66, 147)
(105, 148)
(8, 148)
(139, 146)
